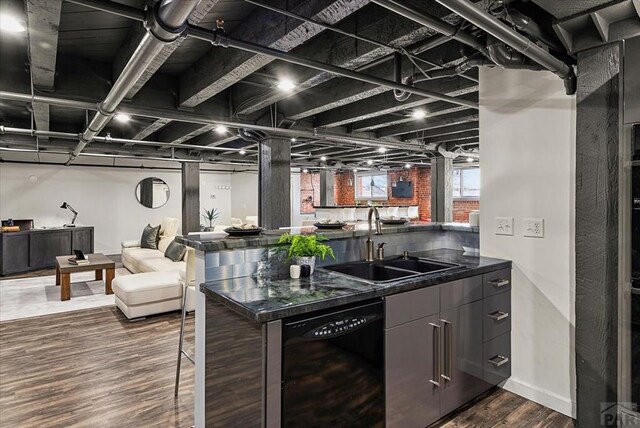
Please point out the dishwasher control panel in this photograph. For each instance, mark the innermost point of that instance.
(337, 327)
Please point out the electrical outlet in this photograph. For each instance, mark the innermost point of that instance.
(533, 227)
(504, 226)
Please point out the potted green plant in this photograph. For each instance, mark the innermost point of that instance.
(211, 216)
(304, 249)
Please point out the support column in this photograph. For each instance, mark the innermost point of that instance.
(274, 184)
(442, 189)
(190, 197)
(326, 187)
(597, 190)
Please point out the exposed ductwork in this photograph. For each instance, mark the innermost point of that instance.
(515, 40)
(165, 22)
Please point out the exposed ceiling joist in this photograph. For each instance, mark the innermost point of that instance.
(430, 123)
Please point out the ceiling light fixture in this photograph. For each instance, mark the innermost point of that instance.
(382, 150)
(10, 24)
(286, 85)
(293, 140)
(323, 158)
(407, 165)
(122, 117)
(305, 170)
(242, 152)
(369, 162)
(470, 159)
(419, 114)
(221, 129)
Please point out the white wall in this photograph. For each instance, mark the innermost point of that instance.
(527, 141)
(244, 195)
(103, 197)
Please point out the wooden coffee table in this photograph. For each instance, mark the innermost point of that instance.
(97, 262)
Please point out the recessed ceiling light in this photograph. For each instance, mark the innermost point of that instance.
(407, 165)
(305, 170)
(286, 85)
(242, 152)
(323, 158)
(293, 140)
(470, 159)
(121, 117)
(221, 129)
(355, 169)
(419, 114)
(10, 24)
(382, 150)
(369, 162)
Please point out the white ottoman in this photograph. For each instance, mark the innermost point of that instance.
(148, 293)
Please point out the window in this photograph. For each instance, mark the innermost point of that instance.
(371, 185)
(466, 183)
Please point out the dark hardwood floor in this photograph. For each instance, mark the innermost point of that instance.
(52, 271)
(95, 369)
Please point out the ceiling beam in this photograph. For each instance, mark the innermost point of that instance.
(449, 130)
(179, 132)
(43, 20)
(469, 115)
(149, 129)
(220, 68)
(467, 135)
(132, 41)
(346, 52)
(385, 103)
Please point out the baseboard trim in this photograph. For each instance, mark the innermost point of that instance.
(548, 399)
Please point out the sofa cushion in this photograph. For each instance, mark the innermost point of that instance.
(161, 264)
(149, 237)
(164, 242)
(403, 212)
(175, 252)
(169, 227)
(147, 287)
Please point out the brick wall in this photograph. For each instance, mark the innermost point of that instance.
(344, 193)
(309, 192)
(461, 210)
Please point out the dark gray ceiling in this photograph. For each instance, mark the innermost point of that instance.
(203, 81)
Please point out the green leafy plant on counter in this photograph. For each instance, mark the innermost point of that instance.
(211, 215)
(304, 246)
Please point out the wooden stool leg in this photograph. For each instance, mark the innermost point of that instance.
(99, 275)
(57, 276)
(65, 289)
(111, 273)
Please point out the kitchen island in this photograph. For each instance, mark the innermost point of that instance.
(440, 340)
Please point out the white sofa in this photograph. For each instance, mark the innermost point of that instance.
(157, 283)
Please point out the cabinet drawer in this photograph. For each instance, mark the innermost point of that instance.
(497, 315)
(496, 282)
(496, 356)
(461, 292)
(412, 305)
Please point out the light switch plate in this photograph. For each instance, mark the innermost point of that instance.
(533, 227)
(504, 226)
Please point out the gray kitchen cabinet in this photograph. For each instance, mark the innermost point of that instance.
(411, 352)
(462, 375)
(444, 346)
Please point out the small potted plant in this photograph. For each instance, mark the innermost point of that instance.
(211, 216)
(304, 249)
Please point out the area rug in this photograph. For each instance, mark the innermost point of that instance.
(31, 297)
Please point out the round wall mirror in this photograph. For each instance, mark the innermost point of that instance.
(152, 192)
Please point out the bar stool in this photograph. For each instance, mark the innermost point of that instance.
(188, 286)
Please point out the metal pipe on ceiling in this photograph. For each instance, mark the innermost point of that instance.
(217, 38)
(165, 22)
(185, 116)
(435, 24)
(517, 41)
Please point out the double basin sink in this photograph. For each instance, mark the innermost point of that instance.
(387, 270)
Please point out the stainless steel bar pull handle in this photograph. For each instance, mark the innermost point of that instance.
(448, 349)
(499, 282)
(499, 360)
(498, 315)
(436, 354)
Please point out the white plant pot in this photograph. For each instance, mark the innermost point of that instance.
(310, 261)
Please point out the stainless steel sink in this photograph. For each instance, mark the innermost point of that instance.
(381, 271)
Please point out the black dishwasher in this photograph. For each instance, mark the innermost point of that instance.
(333, 369)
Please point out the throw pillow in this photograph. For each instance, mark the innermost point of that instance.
(175, 251)
(149, 237)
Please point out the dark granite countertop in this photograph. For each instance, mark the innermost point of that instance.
(270, 237)
(262, 298)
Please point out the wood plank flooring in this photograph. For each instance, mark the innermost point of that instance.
(95, 369)
(117, 258)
